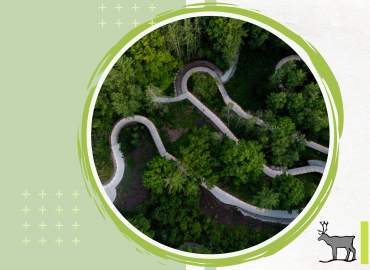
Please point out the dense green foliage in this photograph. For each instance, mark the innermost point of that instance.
(278, 136)
(208, 157)
(258, 37)
(226, 36)
(153, 62)
(243, 162)
(290, 103)
(183, 38)
(142, 224)
(290, 189)
(279, 140)
(175, 218)
(298, 98)
(211, 156)
(204, 85)
(197, 158)
(284, 192)
(266, 198)
(157, 169)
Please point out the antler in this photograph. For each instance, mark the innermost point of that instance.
(324, 229)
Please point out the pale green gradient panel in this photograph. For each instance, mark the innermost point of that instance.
(48, 52)
(326, 76)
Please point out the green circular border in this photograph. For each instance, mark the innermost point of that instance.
(336, 108)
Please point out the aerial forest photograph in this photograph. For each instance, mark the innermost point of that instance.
(210, 135)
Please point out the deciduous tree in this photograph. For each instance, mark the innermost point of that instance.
(242, 162)
(291, 191)
(226, 35)
(157, 170)
(257, 36)
(154, 64)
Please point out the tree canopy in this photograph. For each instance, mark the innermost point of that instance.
(157, 170)
(266, 198)
(294, 106)
(290, 189)
(204, 84)
(242, 162)
(142, 224)
(154, 64)
(211, 158)
(279, 138)
(226, 36)
(297, 98)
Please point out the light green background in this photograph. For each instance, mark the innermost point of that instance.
(49, 51)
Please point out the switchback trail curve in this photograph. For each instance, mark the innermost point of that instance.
(208, 67)
(183, 93)
(247, 209)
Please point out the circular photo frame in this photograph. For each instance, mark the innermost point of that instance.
(333, 100)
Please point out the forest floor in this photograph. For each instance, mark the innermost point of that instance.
(131, 192)
(174, 134)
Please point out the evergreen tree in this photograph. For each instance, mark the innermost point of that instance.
(266, 198)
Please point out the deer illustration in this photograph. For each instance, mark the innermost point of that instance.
(337, 242)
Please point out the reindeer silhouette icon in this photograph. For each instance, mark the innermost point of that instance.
(337, 242)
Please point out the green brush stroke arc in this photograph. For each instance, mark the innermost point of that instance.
(336, 109)
(160, 14)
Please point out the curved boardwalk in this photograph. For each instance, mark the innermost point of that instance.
(311, 144)
(224, 129)
(191, 65)
(183, 93)
(286, 59)
(230, 73)
(119, 165)
(181, 88)
(110, 186)
(316, 162)
(247, 209)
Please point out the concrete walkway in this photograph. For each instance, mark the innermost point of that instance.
(247, 209)
(286, 59)
(181, 88)
(236, 108)
(183, 93)
(118, 161)
(191, 65)
(316, 162)
(225, 130)
(230, 72)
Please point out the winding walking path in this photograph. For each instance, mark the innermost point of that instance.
(205, 66)
(110, 187)
(182, 92)
(286, 59)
